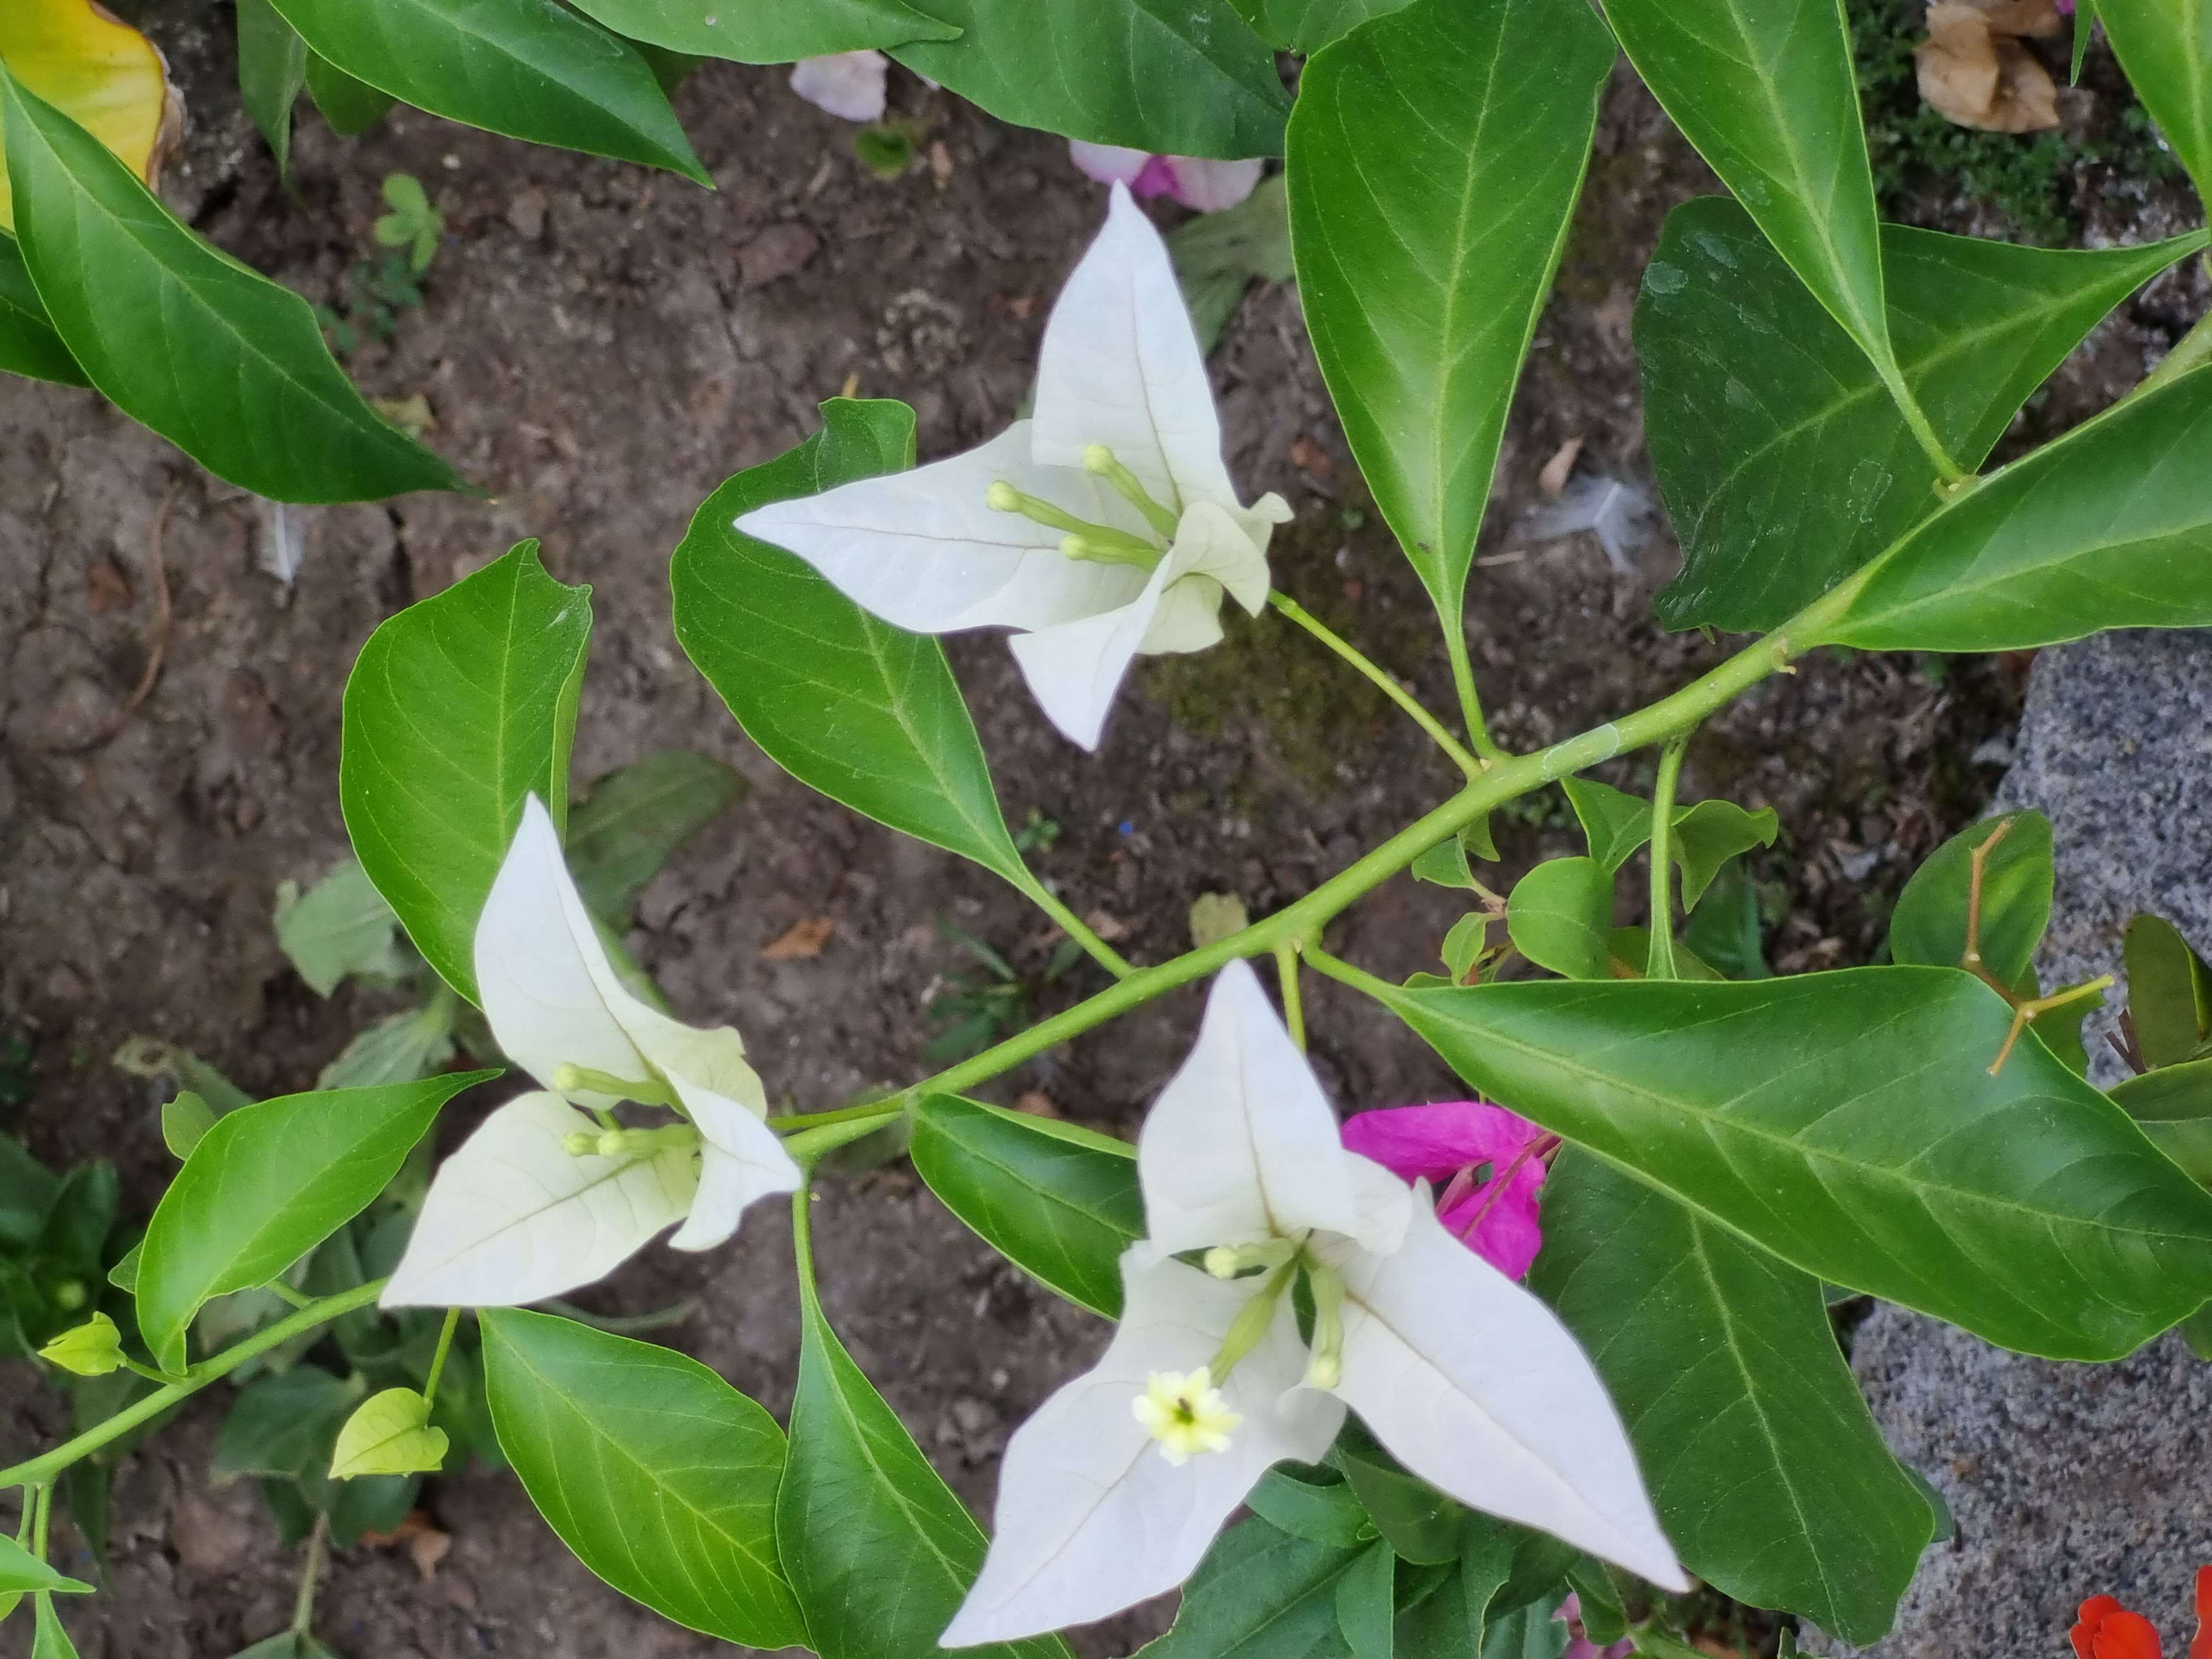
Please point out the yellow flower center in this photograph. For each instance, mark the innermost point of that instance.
(1186, 1413)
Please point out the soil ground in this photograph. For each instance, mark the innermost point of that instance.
(599, 347)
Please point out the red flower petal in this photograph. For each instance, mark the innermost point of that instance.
(2202, 1647)
(2126, 1636)
(2095, 1611)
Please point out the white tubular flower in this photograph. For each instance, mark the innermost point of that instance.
(544, 1198)
(1113, 1491)
(1102, 529)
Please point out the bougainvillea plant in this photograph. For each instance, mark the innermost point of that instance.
(1567, 1338)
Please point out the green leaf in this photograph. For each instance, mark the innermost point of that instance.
(338, 927)
(458, 709)
(1929, 926)
(20, 1571)
(28, 1191)
(529, 69)
(184, 1123)
(267, 1184)
(1420, 1522)
(1307, 25)
(2174, 1107)
(28, 345)
(1764, 89)
(1261, 1594)
(1631, 949)
(878, 1551)
(1177, 77)
(780, 33)
(1533, 1632)
(272, 70)
(660, 1475)
(50, 1640)
(2196, 1332)
(1219, 255)
(2084, 30)
(146, 1057)
(1321, 1512)
(1366, 1605)
(2165, 47)
(1728, 931)
(350, 107)
(1434, 160)
(1559, 915)
(1710, 833)
(1761, 1457)
(2169, 992)
(225, 364)
(1784, 463)
(2107, 527)
(1446, 865)
(390, 1433)
(1614, 822)
(399, 1048)
(283, 1425)
(1448, 1622)
(863, 712)
(633, 820)
(1848, 1122)
(1059, 1202)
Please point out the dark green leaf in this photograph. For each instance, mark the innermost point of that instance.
(1418, 1521)
(1632, 954)
(878, 1551)
(1598, 1599)
(1261, 1594)
(1448, 1623)
(1307, 25)
(283, 1425)
(2196, 1332)
(376, 1502)
(1761, 1457)
(1929, 924)
(1728, 931)
(265, 1186)
(1848, 1122)
(529, 69)
(780, 32)
(1614, 822)
(2084, 30)
(458, 709)
(863, 712)
(49, 1640)
(1058, 1201)
(272, 70)
(1308, 1508)
(350, 107)
(660, 1475)
(1764, 89)
(226, 365)
(1784, 463)
(339, 926)
(633, 820)
(1219, 255)
(28, 1191)
(2165, 46)
(398, 1049)
(1710, 833)
(1533, 1632)
(1366, 1603)
(2174, 1107)
(2169, 992)
(1435, 157)
(1177, 77)
(2108, 527)
(1559, 915)
(28, 345)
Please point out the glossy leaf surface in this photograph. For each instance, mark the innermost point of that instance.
(2169, 992)
(1929, 926)
(632, 821)
(2165, 47)
(457, 710)
(1559, 915)
(777, 33)
(273, 72)
(28, 345)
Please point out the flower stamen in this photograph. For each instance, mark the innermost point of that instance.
(631, 1143)
(583, 1080)
(1186, 1413)
(1325, 1370)
(1099, 461)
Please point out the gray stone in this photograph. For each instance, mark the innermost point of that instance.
(2116, 749)
(2069, 1480)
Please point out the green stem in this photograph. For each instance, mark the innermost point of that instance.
(147, 1372)
(1390, 688)
(1916, 418)
(872, 1112)
(44, 1500)
(1294, 1009)
(284, 1293)
(44, 1468)
(1520, 774)
(1073, 925)
(1660, 962)
(1470, 699)
(303, 1606)
(802, 1248)
(1344, 973)
(438, 1359)
(810, 1146)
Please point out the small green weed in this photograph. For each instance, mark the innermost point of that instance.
(376, 293)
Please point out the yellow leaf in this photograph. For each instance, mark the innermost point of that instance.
(389, 1433)
(104, 75)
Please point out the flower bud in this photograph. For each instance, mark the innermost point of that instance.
(92, 1349)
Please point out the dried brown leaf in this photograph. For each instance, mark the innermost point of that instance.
(1553, 480)
(1975, 73)
(802, 941)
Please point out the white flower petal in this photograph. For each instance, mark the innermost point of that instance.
(1074, 668)
(1382, 1205)
(1091, 1518)
(923, 549)
(1213, 541)
(1242, 1144)
(851, 85)
(1110, 164)
(741, 1159)
(1121, 367)
(1476, 1387)
(1188, 618)
(541, 977)
(514, 1217)
(1210, 186)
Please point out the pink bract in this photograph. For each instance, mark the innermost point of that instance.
(1441, 1142)
(1207, 186)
